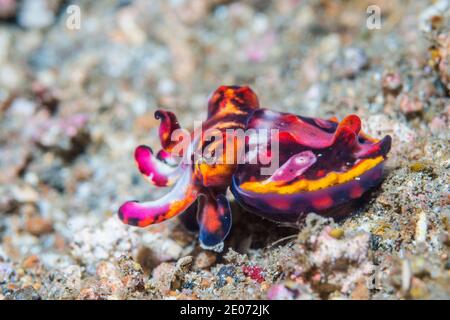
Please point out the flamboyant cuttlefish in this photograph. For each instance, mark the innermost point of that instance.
(321, 164)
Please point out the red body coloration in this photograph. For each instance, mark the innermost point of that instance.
(322, 164)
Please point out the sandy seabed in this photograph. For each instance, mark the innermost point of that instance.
(75, 102)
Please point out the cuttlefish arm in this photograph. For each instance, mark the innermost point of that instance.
(154, 170)
(173, 203)
(168, 126)
(214, 218)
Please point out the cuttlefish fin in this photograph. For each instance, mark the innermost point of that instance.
(380, 148)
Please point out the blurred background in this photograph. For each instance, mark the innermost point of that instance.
(80, 81)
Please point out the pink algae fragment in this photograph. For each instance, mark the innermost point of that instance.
(254, 272)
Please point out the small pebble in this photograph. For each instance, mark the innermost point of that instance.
(38, 226)
(204, 260)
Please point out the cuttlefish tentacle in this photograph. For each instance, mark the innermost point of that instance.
(173, 203)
